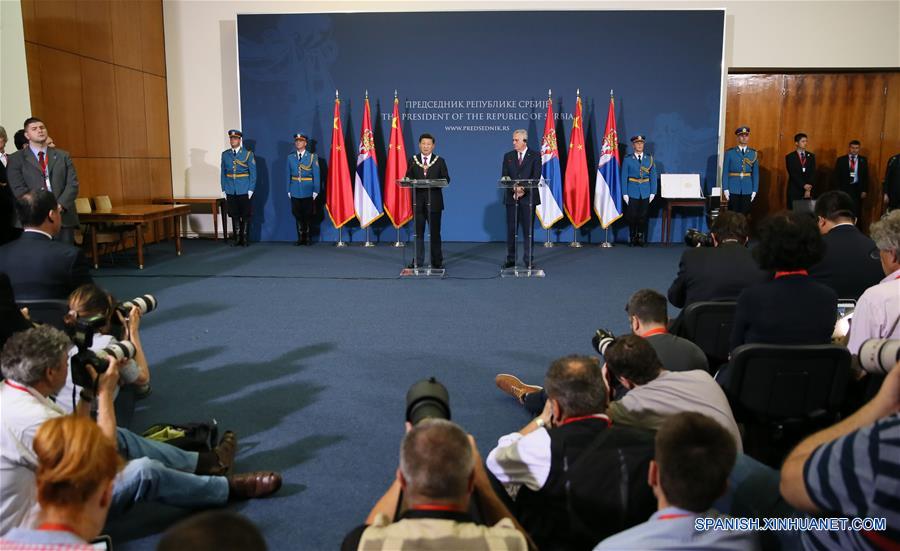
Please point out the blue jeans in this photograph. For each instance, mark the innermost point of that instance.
(159, 472)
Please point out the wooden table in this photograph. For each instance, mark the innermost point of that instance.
(667, 215)
(139, 215)
(216, 205)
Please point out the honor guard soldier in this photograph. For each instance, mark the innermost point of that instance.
(638, 190)
(740, 173)
(238, 184)
(303, 186)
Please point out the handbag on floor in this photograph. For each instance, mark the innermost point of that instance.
(195, 437)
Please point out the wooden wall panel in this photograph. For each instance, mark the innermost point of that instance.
(135, 181)
(56, 24)
(126, 35)
(153, 48)
(157, 115)
(132, 117)
(98, 176)
(160, 179)
(63, 110)
(29, 21)
(755, 101)
(100, 109)
(35, 86)
(95, 29)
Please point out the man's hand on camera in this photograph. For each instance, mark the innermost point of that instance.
(547, 414)
(607, 380)
(134, 321)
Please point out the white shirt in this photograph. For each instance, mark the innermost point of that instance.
(3, 158)
(35, 230)
(876, 313)
(425, 159)
(23, 411)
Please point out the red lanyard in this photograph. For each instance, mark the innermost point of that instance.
(657, 331)
(853, 164)
(802, 158)
(600, 416)
(55, 527)
(795, 272)
(15, 386)
(673, 515)
(437, 507)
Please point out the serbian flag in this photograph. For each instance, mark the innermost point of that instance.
(367, 186)
(397, 200)
(607, 192)
(339, 194)
(550, 209)
(577, 190)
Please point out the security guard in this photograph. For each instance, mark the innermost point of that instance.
(638, 190)
(740, 173)
(303, 186)
(238, 184)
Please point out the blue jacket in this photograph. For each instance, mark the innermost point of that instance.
(238, 171)
(303, 175)
(737, 163)
(639, 179)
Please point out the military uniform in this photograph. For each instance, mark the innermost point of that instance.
(740, 175)
(639, 183)
(238, 183)
(303, 187)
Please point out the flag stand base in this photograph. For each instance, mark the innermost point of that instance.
(522, 271)
(606, 245)
(575, 245)
(549, 244)
(398, 244)
(340, 244)
(368, 244)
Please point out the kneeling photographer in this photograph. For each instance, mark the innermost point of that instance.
(100, 327)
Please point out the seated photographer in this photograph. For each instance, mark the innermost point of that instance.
(648, 316)
(850, 264)
(877, 313)
(850, 470)
(440, 472)
(692, 461)
(213, 531)
(791, 308)
(576, 476)
(35, 364)
(92, 310)
(655, 394)
(719, 272)
(76, 466)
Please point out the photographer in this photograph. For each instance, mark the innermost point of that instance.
(440, 472)
(580, 477)
(91, 305)
(719, 272)
(877, 314)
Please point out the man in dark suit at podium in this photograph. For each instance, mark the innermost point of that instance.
(520, 164)
(801, 169)
(852, 174)
(429, 202)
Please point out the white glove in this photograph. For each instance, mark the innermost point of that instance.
(223, 195)
(250, 194)
(315, 195)
(289, 194)
(625, 198)
(652, 197)
(727, 195)
(752, 196)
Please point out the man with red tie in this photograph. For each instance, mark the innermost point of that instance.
(801, 168)
(852, 175)
(39, 165)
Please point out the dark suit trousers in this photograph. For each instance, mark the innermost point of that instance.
(525, 214)
(855, 192)
(739, 203)
(434, 224)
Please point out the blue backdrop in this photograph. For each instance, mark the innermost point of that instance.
(470, 79)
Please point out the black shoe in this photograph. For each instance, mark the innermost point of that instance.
(411, 266)
(508, 264)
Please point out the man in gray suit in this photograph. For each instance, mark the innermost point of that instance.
(40, 166)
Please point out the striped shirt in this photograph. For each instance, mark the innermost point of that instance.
(857, 475)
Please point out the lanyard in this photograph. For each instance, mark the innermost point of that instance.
(657, 331)
(55, 527)
(600, 416)
(437, 507)
(795, 272)
(15, 386)
(802, 158)
(671, 516)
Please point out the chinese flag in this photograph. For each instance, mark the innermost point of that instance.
(397, 201)
(338, 191)
(576, 191)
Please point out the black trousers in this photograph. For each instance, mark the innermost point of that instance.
(636, 214)
(434, 224)
(302, 209)
(740, 203)
(238, 206)
(525, 214)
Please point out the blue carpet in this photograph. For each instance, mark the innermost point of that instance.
(307, 352)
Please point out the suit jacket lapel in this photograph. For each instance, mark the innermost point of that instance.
(31, 158)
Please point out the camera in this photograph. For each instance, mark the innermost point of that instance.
(82, 334)
(602, 339)
(696, 238)
(878, 356)
(427, 399)
(144, 303)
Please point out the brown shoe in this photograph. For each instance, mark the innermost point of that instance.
(218, 461)
(252, 485)
(513, 386)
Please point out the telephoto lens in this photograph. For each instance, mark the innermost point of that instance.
(878, 356)
(427, 399)
(601, 340)
(696, 238)
(144, 303)
(98, 360)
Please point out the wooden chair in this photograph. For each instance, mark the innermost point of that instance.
(111, 236)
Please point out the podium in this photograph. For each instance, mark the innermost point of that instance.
(506, 183)
(415, 185)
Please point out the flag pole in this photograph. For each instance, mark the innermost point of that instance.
(575, 244)
(340, 241)
(368, 242)
(398, 243)
(606, 244)
(548, 244)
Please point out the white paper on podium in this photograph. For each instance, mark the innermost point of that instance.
(681, 186)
